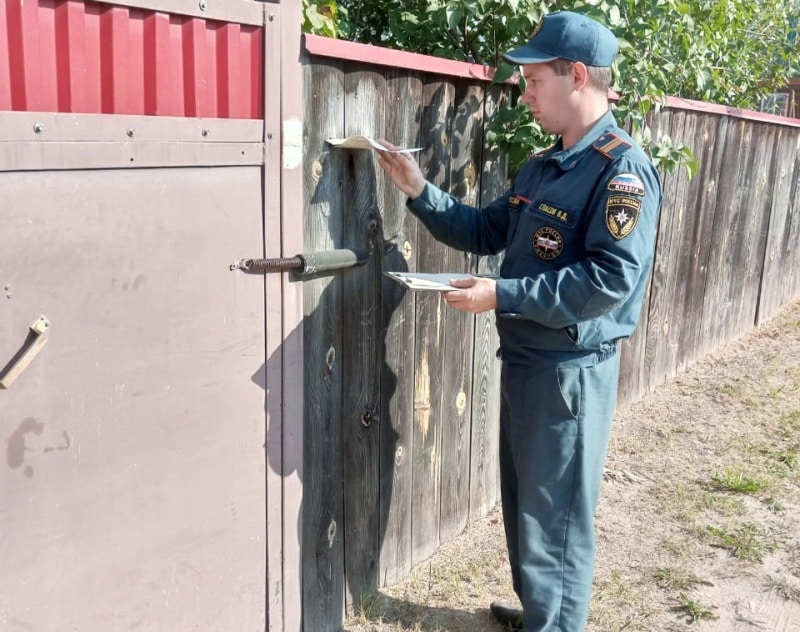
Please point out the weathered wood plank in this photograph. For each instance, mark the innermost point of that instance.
(632, 377)
(792, 272)
(484, 488)
(750, 232)
(466, 138)
(323, 541)
(701, 208)
(717, 306)
(437, 110)
(659, 312)
(362, 342)
(678, 251)
(777, 258)
(682, 130)
(403, 98)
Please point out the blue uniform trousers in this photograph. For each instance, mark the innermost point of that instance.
(555, 421)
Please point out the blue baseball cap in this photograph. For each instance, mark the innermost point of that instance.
(567, 35)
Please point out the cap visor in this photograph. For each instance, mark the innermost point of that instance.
(528, 55)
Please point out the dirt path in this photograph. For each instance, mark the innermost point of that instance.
(699, 519)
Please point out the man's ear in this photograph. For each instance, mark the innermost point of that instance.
(580, 75)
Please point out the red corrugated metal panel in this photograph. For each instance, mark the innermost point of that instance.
(5, 70)
(85, 57)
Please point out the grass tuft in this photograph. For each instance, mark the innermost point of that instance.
(693, 609)
(735, 481)
(745, 544)
(671, 578)
(789, 424)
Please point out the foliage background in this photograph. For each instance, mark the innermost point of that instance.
(732, 52)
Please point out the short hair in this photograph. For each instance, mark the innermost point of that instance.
(598, 77)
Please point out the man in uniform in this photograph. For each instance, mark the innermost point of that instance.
(578, 229)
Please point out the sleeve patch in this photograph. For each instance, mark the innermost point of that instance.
(622, 214)
(627, 183)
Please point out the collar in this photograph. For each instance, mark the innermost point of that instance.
(567, 159)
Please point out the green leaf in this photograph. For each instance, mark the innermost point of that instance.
(504, 72)
(726, 51)
(454, 18)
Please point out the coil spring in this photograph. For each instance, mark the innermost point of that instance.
(269, 265)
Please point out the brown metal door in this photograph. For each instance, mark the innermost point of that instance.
(133, 474)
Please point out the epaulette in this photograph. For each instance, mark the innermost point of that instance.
(611, 145)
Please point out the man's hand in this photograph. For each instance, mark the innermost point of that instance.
(403, 170)
(477, 295)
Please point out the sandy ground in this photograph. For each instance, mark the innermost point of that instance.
(698, 525)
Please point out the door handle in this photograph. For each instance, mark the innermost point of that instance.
(36, 340)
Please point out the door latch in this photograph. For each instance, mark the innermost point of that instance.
(305, 264)
(36, 340)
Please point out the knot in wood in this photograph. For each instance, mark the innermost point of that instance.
(470, 175)
(461, 402)
(330, 358)
(331, 533)
(367, 418)
(372, 226)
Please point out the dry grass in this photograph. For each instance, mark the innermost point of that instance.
(697, 519)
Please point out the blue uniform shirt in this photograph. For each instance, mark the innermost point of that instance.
(578, 229)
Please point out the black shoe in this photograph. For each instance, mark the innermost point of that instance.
(508, 615)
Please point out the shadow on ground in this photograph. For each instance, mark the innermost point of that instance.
(382, 609)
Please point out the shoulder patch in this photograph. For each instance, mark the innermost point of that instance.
(611, 145)
(627, 183)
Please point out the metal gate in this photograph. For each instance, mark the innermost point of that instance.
(143, 384)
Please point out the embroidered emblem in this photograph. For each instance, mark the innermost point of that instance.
(627, 183)
(622, 213)
(551, 211)
(548, 243)
(516, 200)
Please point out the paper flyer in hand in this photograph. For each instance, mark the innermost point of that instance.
(362, 142)
(436, 281)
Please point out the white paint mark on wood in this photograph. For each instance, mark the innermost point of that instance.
(292, 143)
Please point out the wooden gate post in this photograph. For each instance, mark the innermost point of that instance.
(283, 194)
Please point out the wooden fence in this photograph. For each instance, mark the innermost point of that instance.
(401, 412)
(401, 393)
(727, 256)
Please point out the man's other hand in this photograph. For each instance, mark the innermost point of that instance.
(475, 295)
